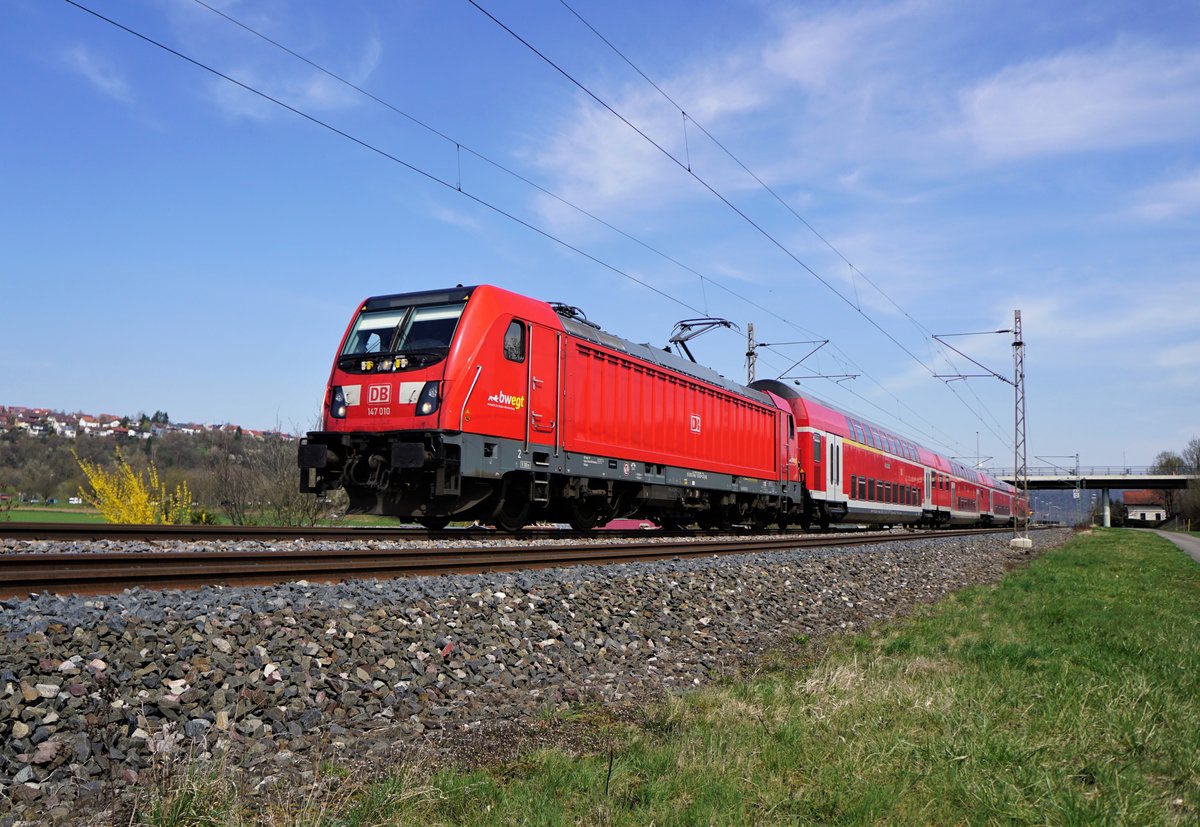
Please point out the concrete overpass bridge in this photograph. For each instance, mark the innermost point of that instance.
(1103, 478)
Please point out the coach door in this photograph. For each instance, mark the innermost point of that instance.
(544, 369)
(833, 468)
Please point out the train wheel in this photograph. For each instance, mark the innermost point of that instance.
(716, 520)
(759, 520)
(512, 512)
(584, 515)
(434, 523)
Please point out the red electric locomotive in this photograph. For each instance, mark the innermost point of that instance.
(476, 403)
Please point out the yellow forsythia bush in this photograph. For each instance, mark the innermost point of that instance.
(125, 496)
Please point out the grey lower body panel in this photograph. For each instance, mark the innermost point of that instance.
(435, 472)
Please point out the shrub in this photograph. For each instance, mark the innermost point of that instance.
(127, 496)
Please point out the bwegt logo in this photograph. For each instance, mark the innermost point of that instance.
(500, 399)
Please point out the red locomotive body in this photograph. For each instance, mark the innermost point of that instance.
(478, 403)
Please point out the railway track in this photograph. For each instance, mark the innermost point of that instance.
(111, 531)
(103, 572)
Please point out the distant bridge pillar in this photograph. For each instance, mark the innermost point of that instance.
(1107, 508)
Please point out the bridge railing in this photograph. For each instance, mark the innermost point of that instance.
(1085, 471)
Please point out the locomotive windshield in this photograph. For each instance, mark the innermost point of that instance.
(426, 329)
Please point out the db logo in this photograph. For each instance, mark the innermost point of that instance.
(695, 423)
(379, 394)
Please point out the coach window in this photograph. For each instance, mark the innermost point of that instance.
(514, 342)
(816, 447)
(870, 489)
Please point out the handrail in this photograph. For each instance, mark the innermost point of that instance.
(462, 410)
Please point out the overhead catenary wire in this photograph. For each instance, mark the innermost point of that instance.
(733, 157)
(456, 186)
(783, 202)
(460, 147)
(383, 153)
(704, 183)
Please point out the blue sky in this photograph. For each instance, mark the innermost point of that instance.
(170, 241)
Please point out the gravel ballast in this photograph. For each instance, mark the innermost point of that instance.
(97, 693)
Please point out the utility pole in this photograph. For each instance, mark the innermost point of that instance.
(752, 358)
(1020, 470)
(751, 353)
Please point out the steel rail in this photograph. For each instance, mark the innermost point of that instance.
(117, 531)
(108, 572)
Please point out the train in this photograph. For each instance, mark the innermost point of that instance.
(480, 404)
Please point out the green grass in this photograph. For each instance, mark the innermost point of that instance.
(1068, 693)
(74, 514)
(81, 514)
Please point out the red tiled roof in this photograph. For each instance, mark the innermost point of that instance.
(1144, 498)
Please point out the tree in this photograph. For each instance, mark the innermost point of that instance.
(1169, 462)
(1191, 456)
(1190, 501)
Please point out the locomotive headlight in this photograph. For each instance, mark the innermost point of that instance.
(429, 398)
(337, 405)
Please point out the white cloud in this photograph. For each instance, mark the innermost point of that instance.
(237, 102)
(821, 51)
(1126, 95)
(99, 73)
(311, 90)
(1170, 199)
(598, 162)
(1120, 318)
(824, 88)
(452, 217)
(1182, 357)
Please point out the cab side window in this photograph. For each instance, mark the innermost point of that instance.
(514, 342)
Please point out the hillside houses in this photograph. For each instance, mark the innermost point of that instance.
(44, 421)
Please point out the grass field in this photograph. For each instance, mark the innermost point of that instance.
(52, 515)
(1068, 693)
(39, 514)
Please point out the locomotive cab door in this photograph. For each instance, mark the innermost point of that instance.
(543, 381)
